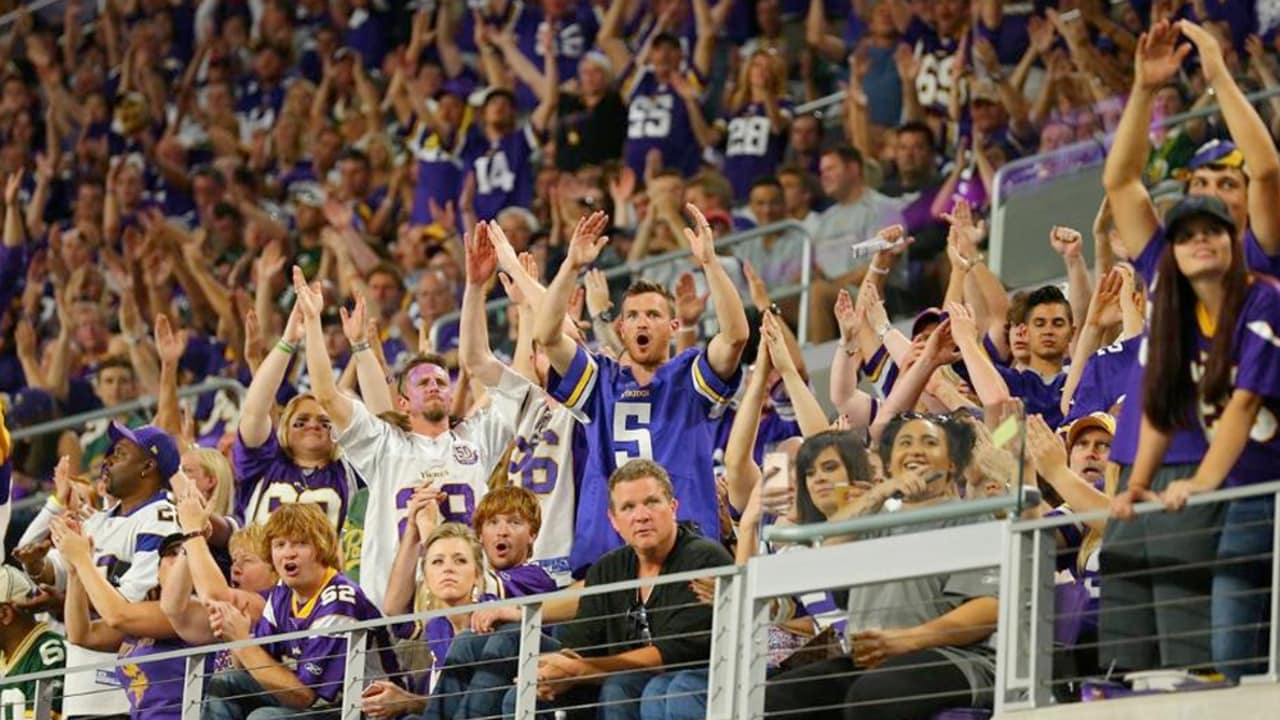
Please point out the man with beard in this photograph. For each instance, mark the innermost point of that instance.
(649, 405)
(126, 545)
(394, 463)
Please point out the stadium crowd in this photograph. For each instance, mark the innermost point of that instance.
(324, 200)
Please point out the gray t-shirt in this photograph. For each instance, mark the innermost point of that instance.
(843, 225)
(908, 603)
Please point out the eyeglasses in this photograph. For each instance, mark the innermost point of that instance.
(638, 616)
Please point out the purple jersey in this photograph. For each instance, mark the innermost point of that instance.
(671, 421)
(936, 55)
(268, 478)
(502, 168)
(1103, 384)
(658, 119)
(527, 579)
(575, 36)
(320, 660)
(1040, 396)
(439, 171)
(752, 148)
(154, 688)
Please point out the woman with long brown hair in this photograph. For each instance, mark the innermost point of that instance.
(755, 122)
(1213, 363)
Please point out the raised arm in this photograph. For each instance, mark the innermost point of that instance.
(1050, 456)
(473, 340)
(707, 30)
(188, 616)
(809, 413)
(1069, 244)
(740, 469)
(724, 351)
(311, 301)
(366, 351)
(1157, 61)
(1104, 315)
(584, 248)
(255, 415)
(1249, 133)
(169, 346)
(986, 379)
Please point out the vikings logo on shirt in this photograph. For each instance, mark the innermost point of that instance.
(465, 453)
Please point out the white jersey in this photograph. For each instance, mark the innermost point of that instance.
(127, 549)
(6, 478)
(395, 463)
(542, 462)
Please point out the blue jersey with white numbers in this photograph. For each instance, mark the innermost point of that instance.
(657, 118)
(671, 421)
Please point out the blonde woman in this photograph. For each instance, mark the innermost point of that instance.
(295, 460)
(755, 122)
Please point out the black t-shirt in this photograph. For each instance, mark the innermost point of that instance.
(590, 136)
(679, 625)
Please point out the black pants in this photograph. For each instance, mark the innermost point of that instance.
(909, 687)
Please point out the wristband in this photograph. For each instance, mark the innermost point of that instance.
(286, 347)
(882, 331)
(359, 347)
(878, 270)
(192, 536)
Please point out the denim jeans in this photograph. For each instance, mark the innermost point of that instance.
(249, 700)
(479, 670)
(675, 696)
(1241, 588)
(618, 699)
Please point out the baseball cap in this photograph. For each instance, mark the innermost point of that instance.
(984, 91)
(927, 316)
(308, 193)
(1092, 421)
(152, 440)
(15, 586)
(666, 38)
(495, 92)
(718, 216)
(1197, 206)
(1222, 153)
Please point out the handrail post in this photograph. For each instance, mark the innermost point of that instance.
(43, 707)
(353, 673)
(755, 655)
(530, 649)
(806, 279)
(1040, 665)
(1273, 628)
(726, 643)
(193, 688)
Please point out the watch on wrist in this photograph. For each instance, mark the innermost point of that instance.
(605, 316)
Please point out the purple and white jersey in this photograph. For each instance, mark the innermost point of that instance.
(752, 149)
(126, 546)
(439, 170)
(672, 421)
(267, 478)
(657, 118)
(575, 36)
(394, 463)
(519, 581)
(1103, 384)
(503, 169)
(936, 55)
(154, 687)
(544, 462)
(320, 659)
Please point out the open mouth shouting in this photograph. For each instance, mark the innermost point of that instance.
(643, 341)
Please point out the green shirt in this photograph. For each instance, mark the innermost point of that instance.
(42, 649)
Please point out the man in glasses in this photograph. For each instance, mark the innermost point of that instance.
(626, 638)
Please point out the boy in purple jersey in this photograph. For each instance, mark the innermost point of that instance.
(284, 678)
(648, 405)
(498, 155)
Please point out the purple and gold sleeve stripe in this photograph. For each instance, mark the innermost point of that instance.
(574, 389)
(709, 385)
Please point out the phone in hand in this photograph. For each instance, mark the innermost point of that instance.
(776, 481)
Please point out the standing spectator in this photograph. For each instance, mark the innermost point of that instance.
(498, 154)
(625, 638)
(858, 213)
(754, 125)
(114, 382)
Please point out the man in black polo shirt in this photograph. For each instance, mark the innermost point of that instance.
(628, 637)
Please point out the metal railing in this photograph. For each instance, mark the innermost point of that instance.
(792, 228)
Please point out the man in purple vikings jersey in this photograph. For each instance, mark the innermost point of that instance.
(304, 673)
(262, 95)
(435, 142)
(650, 405)
(936, 46)
(498, 154)
(1103, 385)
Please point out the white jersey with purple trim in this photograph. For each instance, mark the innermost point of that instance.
(543, 462)
(126, 546)
(394, 463)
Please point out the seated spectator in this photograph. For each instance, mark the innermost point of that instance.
(620, 640)
(312, 595)
(942, 668)
(30, 646)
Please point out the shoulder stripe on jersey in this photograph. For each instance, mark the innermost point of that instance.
(703, 387)
(1263, 329)
(147, 542)
(586, 382)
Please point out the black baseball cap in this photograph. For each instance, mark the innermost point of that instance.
(1198, 206)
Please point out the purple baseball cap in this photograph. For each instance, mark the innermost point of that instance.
(926, 317)
(152, 440)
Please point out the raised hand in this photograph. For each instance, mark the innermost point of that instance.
(24, 336)
(623, 185)
(12, 185)
(848, 317)
(338, 214)
(353, 323)
(310, 301)
(169, 345)
(963, 326)
(481, 256)
(1047, 449)
(872, 306)
(940, 348)
(193, 512)
(1212, 62)
(1159, 57)
(908, 64)
(588, 240)
(689, 304)
(702, 241)
(1042, 32)
(1104, 309)
(255, 346)
(756, 287)
(969, 232)
(774, 339)
(597, 286)
(270, 263)
(1066, 241)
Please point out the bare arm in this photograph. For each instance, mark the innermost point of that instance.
(81, 630)
(189, 618)
(986, 380)
(255, 415)
(337, 405)
(584, 248)
(473, 342)
(724, 351)
(740, 468)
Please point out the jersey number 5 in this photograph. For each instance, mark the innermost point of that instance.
(631, 428)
